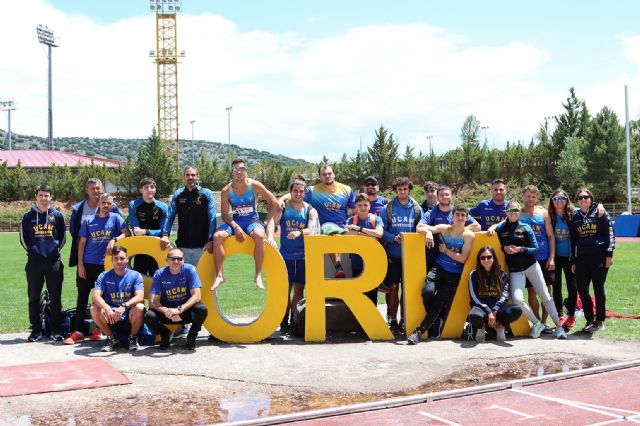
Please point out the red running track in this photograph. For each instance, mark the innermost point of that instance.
(597, 396)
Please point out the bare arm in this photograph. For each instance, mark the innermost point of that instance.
(548, 228)
(260, 189)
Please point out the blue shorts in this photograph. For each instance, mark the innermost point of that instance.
(295, 271)
(123, 326)
(247, 227)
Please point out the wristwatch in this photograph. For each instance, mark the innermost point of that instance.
(125, 305)
(180, 308)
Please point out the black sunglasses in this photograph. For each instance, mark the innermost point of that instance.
(489, 257)
(178, 258)
(584, 197)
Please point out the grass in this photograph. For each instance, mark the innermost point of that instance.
(239, 296)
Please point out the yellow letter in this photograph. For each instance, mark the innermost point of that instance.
(349, 290)
(277, 289)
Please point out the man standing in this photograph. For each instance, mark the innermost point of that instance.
(401, 215)
(147, 216)
(431, 192)
(118, 301)
(241, 195)
(196, 210)
(98, 235)
(175, 299)
(80, 211)
(376, 201)
(491, 212)
(442, 214)
(294, 224)
(43, 234)
(538, 219)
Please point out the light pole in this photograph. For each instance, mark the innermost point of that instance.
(429, 138)
(8, 105)
(228, 109)
(193, 154)
(46, 36)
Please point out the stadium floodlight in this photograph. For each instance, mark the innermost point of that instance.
(165, 6)
(8, 105)
(47, 37)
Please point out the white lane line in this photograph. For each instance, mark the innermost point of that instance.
(440, 419)
(523, 416)
(580, 405)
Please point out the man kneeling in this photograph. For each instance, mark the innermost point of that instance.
(117, 301)
(175, 299)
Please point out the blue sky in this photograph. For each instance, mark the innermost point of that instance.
(311, 78)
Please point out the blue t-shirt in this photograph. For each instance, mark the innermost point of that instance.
(119, 289)
(174, 290)
(243, 205)
(377, 205)
(293, 220)
(449, 264)
(98, 231)
(488, 213)
(437, 217)
(561, 233)
(402, 220)
(536, 222)
(331, 205)
(372, 222)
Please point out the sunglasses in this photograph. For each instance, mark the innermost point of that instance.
(489, 257)
(513, 210)
(176, 258)
(584, 197)
(559, 198)
(370, 184)
(238, 169)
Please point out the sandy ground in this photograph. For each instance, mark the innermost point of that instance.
(345, 369)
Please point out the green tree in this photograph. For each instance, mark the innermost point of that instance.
(572, 167)
(605, 154)
(153, 161)
(469, 168)
(382, 157)
(573, 122)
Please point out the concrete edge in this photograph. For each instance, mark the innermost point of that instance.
(429, 397)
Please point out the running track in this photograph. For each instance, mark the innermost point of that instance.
(596, 396)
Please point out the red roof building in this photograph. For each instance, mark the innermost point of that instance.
(43, 159)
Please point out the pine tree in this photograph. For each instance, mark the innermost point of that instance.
(383, 156)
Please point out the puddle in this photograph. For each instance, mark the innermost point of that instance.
(198, 409)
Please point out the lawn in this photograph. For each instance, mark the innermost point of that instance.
(238, 295)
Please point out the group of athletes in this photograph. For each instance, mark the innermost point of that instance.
(540, 244)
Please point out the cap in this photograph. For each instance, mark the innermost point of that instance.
(371, 179)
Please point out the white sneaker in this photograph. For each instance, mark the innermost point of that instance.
(481, 335)
(560, 333)
(536, 330)
(500, 335)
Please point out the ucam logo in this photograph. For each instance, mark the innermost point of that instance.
(319, 289)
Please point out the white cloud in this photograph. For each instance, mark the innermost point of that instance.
(290, 95)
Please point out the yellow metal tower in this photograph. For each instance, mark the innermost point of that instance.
(166, 57)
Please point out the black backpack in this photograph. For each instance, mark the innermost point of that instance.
(66, 318)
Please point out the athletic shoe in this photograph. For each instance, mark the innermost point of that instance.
(393, 326)
(340, 273)
(536, 330)
(560, 333)
(76, 336)
(414, 339)
(500, 334)
(481, 335)
(110, 345)
(56, 338)
(597, 326)
(165, 340)
(569, 322)
(547, 330)
(133, 343)
(561, 320)
(284, 328)
(191, 342)
(33, 336)
(589, 327)
(96, 335)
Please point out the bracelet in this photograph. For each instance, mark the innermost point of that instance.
(360, 230)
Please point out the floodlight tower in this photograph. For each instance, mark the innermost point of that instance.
(166, 58)
(8, 105)
(46, 37)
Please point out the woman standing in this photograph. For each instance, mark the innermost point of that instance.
(442, 281)
(520, 246)
(561, 211)
(592, 245)
(489, 296)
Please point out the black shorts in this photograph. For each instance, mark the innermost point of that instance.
(394, 272)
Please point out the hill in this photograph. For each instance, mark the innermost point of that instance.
(117, 149)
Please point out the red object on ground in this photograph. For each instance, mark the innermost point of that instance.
(607, 312)
(58, 376)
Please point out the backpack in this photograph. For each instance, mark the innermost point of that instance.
(66, 318)
(416, 213)
(371, 217)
